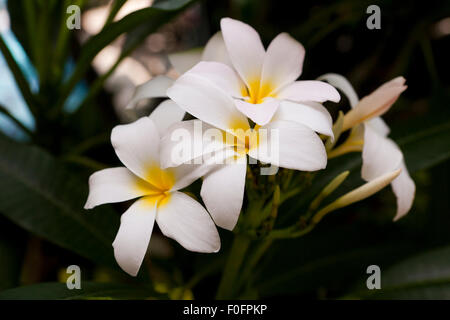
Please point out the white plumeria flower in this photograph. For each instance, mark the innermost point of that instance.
(265, 80)
(380, 154)
(287, 144)
(178, 215)
(156, 87)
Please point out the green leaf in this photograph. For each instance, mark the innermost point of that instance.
(41, 196)
(426, 148)
(423, 276)
(332, 257)
(89, 290)
(154, 17)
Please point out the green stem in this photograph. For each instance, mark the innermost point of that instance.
(255, 257)
(228, 283)
(291, 232)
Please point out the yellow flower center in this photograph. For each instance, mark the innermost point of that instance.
(255, 92)
(242, 137)
(157, 185)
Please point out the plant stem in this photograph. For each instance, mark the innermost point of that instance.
(257, 253)
(228, 283)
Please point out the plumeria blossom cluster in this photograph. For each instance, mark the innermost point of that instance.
(251, 111)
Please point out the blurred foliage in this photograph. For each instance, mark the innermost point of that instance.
(43, 183)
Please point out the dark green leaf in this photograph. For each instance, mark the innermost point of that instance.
(331, 257)
(423, 276)
(38, 194)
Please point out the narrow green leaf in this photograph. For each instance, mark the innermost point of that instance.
(116, 6)
(5, 111)
(18, 76)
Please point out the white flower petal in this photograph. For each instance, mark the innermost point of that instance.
(244, 47)
(186, 174)
(131, 242)
(342, 84)
(215, 50)
(166, 114)
(183, 61)
(207, 102)
(379, 126)
(380, 155)
(309, 90)
(376, 103)
(137, 145)
(290, 145)
(404, 189)
(114, 185)
(260, 113)
(312, 115)
(223, 193)
(154, 88)
(186, 221)
(283, 62)
(186, 141)
(221, 75)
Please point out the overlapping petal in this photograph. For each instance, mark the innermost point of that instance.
(166, 114)
(223, 193)
(260, 113)
(188, 141)
(283, 62)
(186, 174)
(215, 50)
(115, 185)
(342, 84)
(207, 102)
(220, 75)
(313, 115)
(131, 242)
(380, 155)
(404, 189)
(291, 145)
(137, 145)
(186, 221)
(245, 49)
(309, 90)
